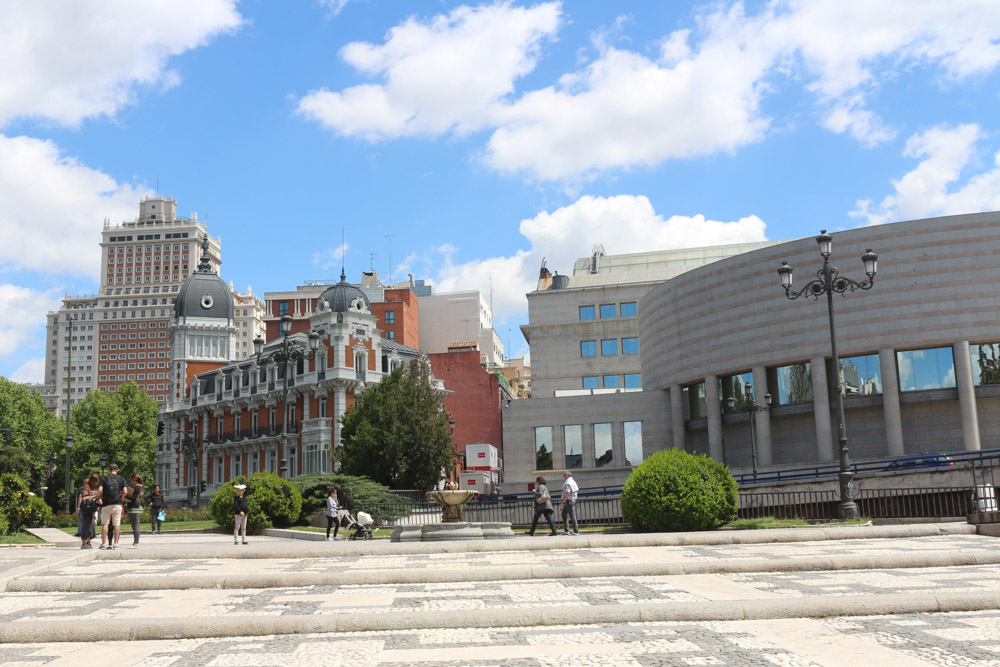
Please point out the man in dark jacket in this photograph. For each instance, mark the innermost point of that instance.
(110, 494)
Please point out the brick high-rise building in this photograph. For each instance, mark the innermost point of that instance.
(119, 335)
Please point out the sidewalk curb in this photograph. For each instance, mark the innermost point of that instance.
(705, 538)
(520, 573)
(714, 610)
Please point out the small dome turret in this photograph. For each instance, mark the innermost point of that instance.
(344, 297)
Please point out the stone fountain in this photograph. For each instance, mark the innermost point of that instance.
(453, 525)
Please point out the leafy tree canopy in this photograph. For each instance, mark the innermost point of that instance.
(35, 433)
(119, 425)
(397, 432)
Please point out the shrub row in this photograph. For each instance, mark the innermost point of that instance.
(20, 509)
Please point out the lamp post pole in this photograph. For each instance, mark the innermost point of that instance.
(751, 408)
(68, 505)
(828, 280)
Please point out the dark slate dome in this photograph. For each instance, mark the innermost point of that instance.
(344, 297)
(204, 294)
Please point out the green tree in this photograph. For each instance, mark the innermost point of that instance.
(119, 425)
(397, 432)
(35, 434)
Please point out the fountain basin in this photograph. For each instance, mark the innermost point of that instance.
(453, 530)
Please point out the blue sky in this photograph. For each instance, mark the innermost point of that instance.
(480, 137)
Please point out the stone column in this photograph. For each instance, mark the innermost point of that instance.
(966, 395)
(890, 402)
(764, 456)
(714, 408)
(677, 415)
(825, 450)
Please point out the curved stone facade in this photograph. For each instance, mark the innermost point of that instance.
(936, 287)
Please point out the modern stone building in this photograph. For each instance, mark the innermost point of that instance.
(920, 356)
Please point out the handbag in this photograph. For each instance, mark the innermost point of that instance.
(162, 516)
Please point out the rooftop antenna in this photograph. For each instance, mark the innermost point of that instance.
(389, 236)
(371, 262)
(343, 252)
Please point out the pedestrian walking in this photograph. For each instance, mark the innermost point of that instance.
(111, 492)
(241, 508)
(133, 505)
(543, 506)
(79, 516)
(568, 504)
(156, 509)
(88, 511)
(331, 515)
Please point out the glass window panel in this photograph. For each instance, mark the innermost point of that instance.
(628, 309)
(609, 348)
(573, 439)
(630, 346)
(926, 369)
(611, 381)
(633, 381)
(694, 401)
(794, 384)
(602, 445)
(740, 387)
(862, 375)
(591, 382)
(588, 348)
(543, 448)
(633, 443)
(985, 363)
(608, 311)
(587, 313)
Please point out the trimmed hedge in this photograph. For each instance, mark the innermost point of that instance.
(676, 491)
(353, 493)
(273, 502)
(20, 509)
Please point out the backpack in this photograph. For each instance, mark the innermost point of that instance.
(112, 494)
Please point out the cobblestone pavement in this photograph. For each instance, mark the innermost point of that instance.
(969, 639)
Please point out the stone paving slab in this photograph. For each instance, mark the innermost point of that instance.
(960, 638)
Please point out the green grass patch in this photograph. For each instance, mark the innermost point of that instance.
(771, 522)
(20, 538)
(167, 527)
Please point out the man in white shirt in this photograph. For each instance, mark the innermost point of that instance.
(568, 503)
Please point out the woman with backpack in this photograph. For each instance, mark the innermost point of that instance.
(88, 511)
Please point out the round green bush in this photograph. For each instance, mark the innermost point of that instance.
(273, 502)
(19, 508)
(676, 491)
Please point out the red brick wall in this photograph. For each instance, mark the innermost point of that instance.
(475, 404)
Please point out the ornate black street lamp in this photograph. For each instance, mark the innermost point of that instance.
(750, 408)
(288, 352)
(68, 505)
(828, 280)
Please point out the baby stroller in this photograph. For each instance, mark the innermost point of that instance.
(361, 528)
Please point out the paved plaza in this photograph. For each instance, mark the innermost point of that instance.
(909, 595)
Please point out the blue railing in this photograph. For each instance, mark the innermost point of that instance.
(859, 468)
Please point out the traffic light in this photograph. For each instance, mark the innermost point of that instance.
(191, 491)
(204, 486)
(160, 427)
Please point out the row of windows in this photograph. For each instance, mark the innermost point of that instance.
(141, 376)
(917, 370)
(628, 381)
(134, 325)
(608, 311)
(603, 454)
(609, 347)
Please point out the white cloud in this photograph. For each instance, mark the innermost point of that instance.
(700, 95)
(330, 257)
(53, 208)
(84, 58)
(335, 6)
(22, 310)
(32, 370)
(446, 74)
(927, 190)
(624, 224)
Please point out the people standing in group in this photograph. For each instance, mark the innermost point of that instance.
(111, 491)
(133, 506)
(88, 507)
(543, 506)
(241, 509)
(568, 504)
(156, 506)
(332, 520)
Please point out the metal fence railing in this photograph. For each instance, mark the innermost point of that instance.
(932, 503)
